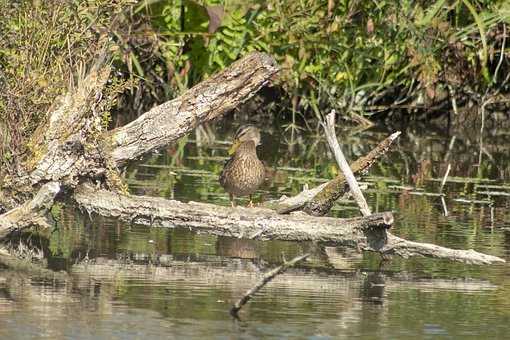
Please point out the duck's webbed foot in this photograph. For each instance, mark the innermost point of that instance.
(250, 204)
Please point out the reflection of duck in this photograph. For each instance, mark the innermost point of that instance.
(244, 172)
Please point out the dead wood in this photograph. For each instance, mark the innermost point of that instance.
(404, 248)
(329, 129)
(207, 100)
(262, 282)
(318, 201)
(66, 148)
(31, 213)
(363, 233)
(72, 144)
(322, 202)
(239, 222)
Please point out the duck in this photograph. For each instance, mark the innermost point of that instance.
(243, 172)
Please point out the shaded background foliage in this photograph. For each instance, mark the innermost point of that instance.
(360, 57)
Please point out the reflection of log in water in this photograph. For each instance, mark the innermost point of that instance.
(101, 285)
(234, 247)
(236, 273)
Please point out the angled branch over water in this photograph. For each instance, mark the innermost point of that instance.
(203, 102)
(319, 200)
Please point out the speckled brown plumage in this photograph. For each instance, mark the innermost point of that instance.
(243, 173)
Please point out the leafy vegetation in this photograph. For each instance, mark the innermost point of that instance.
(348, 55)
(359, 57)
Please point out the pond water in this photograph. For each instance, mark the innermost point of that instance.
(131, 282)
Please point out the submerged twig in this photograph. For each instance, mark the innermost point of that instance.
(266, 279)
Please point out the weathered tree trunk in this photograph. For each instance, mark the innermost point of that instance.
(364, 233)
(209, 99)
(252, 223)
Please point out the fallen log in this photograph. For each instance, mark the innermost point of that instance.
(31, 213)
(239, 222)
(203, 102)
(363, 233)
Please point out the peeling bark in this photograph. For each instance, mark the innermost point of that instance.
(364, 233)
(31, 213)
(66, 148)
(207, 100)
(239, 222)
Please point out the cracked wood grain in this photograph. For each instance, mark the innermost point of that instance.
(205, 101)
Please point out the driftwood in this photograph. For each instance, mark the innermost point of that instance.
(319, 200)
(239, 222)
(323, 200)
(209, 99)
(73, 147)
(329, 129)
(364, 233)
(262, 282)
(31, 213)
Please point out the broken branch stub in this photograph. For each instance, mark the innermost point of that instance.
(31, 213)
(205, 101)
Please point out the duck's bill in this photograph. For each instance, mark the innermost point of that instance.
(234, 147)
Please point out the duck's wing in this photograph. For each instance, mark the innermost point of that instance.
(226, 167)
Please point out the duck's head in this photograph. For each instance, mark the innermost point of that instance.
(245, 133)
